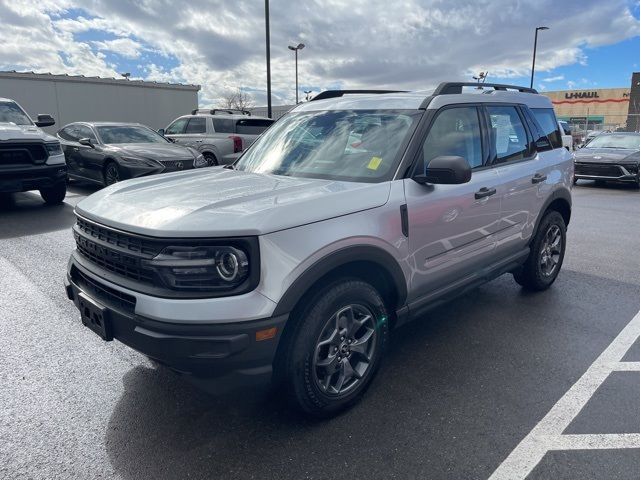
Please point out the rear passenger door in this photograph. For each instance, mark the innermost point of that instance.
(194, 132)
(452, 227)
(515, 158)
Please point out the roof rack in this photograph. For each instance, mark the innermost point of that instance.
(215, 111)
(447, 88)
(339, 93)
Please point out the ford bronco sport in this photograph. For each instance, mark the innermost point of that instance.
(351, 215)
(29, 158)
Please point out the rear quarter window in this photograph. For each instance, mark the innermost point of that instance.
(253, 126)
(547, 120)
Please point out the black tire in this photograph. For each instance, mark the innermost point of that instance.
(111, 173)
(54, 195)
(536, 274)
(306, 347)
(210, 158)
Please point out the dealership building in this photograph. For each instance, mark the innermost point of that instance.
(79, 98)
(603, 108)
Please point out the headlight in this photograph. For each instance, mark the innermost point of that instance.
(53, 148)
(201, 268)
(200, 162)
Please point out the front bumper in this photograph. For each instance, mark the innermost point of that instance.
(228, 352)
(35, 177)
(607, 171)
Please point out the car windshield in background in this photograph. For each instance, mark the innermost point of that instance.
(336, 145)
(631, 142)
(10, 112)
(125, 134)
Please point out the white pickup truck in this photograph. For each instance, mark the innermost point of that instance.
(29, 158)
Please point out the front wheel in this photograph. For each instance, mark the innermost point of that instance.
(111, 173)
(211, 159)
(335, 348)
(545, 259)
(54, 195)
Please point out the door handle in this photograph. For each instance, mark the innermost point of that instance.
(538, 177)
(485, 192)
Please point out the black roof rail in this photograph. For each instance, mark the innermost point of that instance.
(448, 88)
(339, 93)
(215, 111)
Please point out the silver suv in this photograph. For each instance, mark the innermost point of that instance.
(220, 135)
(352, 215)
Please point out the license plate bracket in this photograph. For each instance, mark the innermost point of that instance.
(95, 316)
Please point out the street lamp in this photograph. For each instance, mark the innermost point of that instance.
(268, 45)
(126, 75)
(535, 46)
(300, 46)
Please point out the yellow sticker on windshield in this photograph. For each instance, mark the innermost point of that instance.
(374, 163)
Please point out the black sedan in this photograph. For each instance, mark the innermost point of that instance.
(610, 157)
(109, 152)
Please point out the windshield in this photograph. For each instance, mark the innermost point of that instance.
(128, 134)
(615, 141)
(10, 112)
(359, 146)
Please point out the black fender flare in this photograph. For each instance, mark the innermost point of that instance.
(336, 259)
(558, 194)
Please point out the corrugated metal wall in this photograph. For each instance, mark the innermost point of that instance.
(70, 100)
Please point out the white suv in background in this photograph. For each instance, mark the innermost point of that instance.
(221, 135)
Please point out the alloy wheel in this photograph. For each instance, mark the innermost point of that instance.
(345, 350)
(550, 250)
(111, 174)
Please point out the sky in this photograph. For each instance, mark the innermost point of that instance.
(397, 44)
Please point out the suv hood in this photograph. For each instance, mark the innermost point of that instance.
(153, 151)
(606, 155)
(218, 202)
(11, 131)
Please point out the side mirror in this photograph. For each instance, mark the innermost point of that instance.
(86, 142)
(45, 120)
(445, 170)
(161, 131)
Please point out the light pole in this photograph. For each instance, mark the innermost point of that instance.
(300, 46)
(266, 24)
(535, 46)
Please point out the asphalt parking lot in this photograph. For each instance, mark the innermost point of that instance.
(498, 381)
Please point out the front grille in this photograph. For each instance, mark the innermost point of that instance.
(115, 251)
(177, 165)
(107, 295)
(598, 170)
(22, 154)
(118, 239)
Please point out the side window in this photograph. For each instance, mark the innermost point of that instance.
(67, 133)
(196, 125)
(224, 125)
(507, 133)
(176, 127)
(253, 126)
(83, 131)
(455, 132)
(547, 120)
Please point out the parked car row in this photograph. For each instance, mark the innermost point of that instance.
(107, 152)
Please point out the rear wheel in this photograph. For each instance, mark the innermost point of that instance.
(210, 158)
(335, 349)
(545, 259)
(111, 173)
(54, 195)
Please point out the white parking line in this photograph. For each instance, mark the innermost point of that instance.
(547, 434)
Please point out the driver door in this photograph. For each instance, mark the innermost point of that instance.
(452, 227)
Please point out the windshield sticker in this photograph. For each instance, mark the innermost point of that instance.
(374, 163)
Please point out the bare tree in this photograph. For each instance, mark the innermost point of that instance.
(237, 100)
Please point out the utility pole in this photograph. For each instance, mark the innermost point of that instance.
(266, 20)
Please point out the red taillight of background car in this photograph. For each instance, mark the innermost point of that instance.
(237, 143)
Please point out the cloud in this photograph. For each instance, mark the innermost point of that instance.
(410, 44)
(122, 46)
(553, 79)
